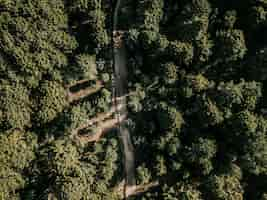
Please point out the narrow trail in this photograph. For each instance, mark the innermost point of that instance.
(120, 67)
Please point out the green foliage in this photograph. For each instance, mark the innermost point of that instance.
(169, 71)
(254, 158)
(52, 99)
(150, 14)
(17, 149)
(200, 153)
(131, 38)
(143, 175)
(257, 16)
(103, 102)
(77, 116)
(193, 84)
(161, 43)
(134, 102)
(209, 71)
(160, 167)
(84, 68)
(200, 7)
(181, 191)
(11, 182)
(94, 21)
(99, 32)
(244, 94)
(204, 47)
(64, 158)
(225, 99)
(250, 131)
(148, 39)
(16, 154)
(181, 52)
(232, 44)
(230, 19)
(71, 188)
(169, 117)
(192, 26)
(78, 174)
(35, 42)
(244, 123)
(225, 187)
(208, 112)
(15, 106)
(87, 66)
(196, 102)
(105, 77)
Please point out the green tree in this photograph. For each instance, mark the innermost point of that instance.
(208, 112)
(254, 158)
(11, 182)
(192, 26)
(148, 39)
(181, 191)
(201, 153)
(137, 96)
(52, 99)
(35, 43)
(76, 117)
(193, 84)
(83, 68)
(250, 133)
(80, 173)
(180, 52)
(244, 124)
(150, 14)
(17, 151)
(93, 21)
(169, 117)
(225, 187)
(15, 106)
(232, 44)
(244, 95)
(170, 74)
(160, 167)
(257, 15)
(143, 175)
(230, 18)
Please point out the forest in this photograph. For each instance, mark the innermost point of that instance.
(196, 99)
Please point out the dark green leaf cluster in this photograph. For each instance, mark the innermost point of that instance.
(17, 151)
(35, 39)
(78, 174)
(90, 17)
(15, 106)
(50, 86)
(196, 99)
(52, 100)
(202, 122)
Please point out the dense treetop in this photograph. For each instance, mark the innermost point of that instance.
(202, 65)
(197, 72)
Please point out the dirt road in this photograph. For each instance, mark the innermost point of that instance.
(120, 64)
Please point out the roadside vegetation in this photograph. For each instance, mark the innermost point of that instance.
(197, 114)
(55, 79)
(198, 98)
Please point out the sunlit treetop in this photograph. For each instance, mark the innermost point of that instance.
(15, 106)
(35, 39)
